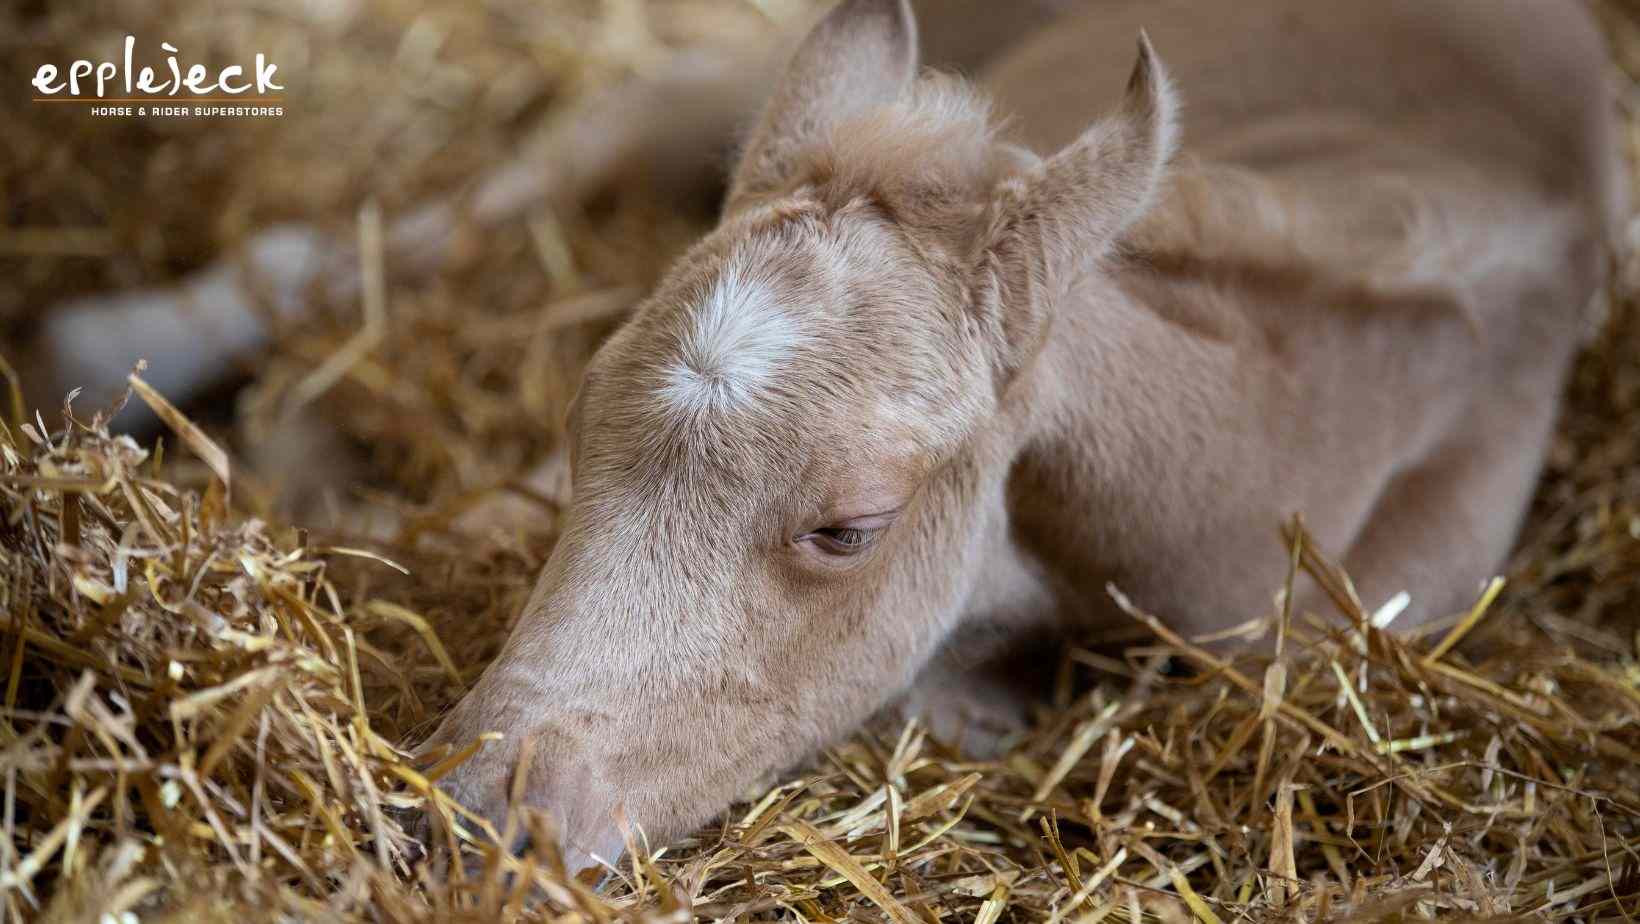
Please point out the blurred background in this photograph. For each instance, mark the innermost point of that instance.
(389, 106)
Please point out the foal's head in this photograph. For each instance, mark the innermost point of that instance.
(787, 464)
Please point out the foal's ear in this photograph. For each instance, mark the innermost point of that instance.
(861, 55)
(1053, 224)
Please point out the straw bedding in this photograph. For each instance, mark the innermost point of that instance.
(206, 708)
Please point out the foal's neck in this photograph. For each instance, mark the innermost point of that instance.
(1148, 413)
(1161, 379)
(1136, 388)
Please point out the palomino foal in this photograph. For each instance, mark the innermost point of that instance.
(937, 379)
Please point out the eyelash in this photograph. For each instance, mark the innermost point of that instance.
(846, 541)
(843, 541)
(851, 537)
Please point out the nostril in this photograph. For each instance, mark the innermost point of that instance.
(417, 828)
(423, 831)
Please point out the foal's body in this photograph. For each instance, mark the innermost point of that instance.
(929, 388)
(1357, 302)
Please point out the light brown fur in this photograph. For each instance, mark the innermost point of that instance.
(1047, 351)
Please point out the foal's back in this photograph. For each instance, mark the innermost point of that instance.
(1517, 84)
(1429, 140)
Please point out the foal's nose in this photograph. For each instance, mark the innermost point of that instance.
(580, 806)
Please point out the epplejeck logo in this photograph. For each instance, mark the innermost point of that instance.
(124, 89)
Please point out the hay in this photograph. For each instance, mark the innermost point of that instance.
(204, 707)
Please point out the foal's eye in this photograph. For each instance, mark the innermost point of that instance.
(842, 541)
(849, 536)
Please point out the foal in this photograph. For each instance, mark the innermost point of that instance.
(938, 378)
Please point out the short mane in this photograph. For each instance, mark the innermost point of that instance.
(931, 148)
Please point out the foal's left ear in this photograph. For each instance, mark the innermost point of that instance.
(1052, 225)
(863, 54)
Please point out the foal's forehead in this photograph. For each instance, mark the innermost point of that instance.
(733, 342)
(774, 320)
(761, 351)
(755, 314)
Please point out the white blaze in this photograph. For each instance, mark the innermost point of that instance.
(736, 343)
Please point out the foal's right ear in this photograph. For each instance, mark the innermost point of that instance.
(861, 55)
